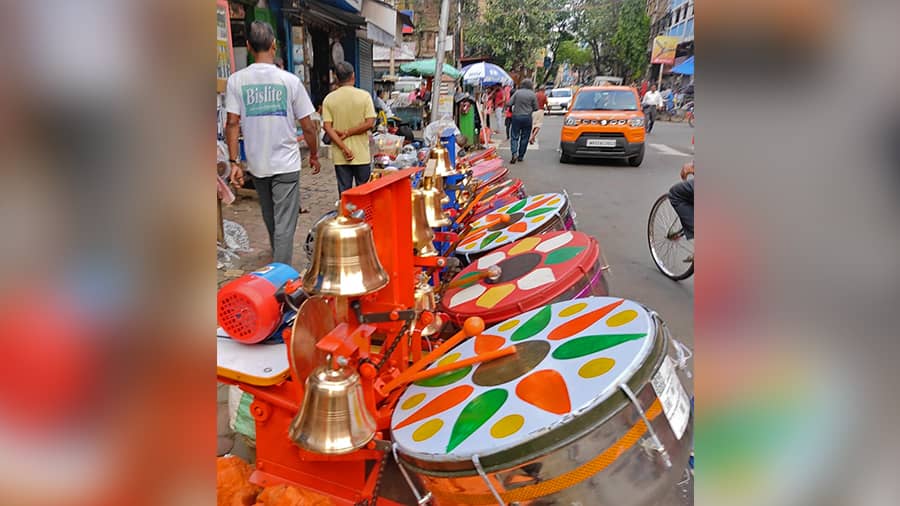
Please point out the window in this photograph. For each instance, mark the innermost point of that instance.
(560, 93)
(605, 100)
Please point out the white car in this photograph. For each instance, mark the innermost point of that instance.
(558, 99)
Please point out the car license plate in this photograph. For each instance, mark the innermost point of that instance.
(601, 143)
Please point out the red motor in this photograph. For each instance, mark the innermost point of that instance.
(249, 308)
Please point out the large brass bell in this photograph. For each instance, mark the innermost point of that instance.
(423, 235)
(333, 418)
(441, 161)
(434, 197)
(344, 260)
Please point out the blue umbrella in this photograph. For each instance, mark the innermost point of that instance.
(686, 67)
(485, 74)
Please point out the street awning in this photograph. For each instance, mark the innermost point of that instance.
(686, 67)
(406, 18)
(324, 14)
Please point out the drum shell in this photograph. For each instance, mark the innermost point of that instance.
(637, 477)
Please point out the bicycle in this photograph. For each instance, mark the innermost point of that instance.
(672, 251)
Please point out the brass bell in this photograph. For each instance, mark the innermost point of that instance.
(425, 301)
(333, 418)
(434, 212)
(344, 260)
(423, 235)
(441, 161)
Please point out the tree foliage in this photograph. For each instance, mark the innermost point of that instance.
(630, 38)
(513, 31)
(573, 54)
(595, 24)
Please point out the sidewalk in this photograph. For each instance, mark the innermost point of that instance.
(318, 194)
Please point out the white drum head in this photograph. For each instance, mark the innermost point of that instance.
(527, 215)
(570, 356)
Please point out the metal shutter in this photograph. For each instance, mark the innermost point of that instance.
(366, 67)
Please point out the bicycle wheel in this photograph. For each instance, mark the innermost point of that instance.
(672, 252)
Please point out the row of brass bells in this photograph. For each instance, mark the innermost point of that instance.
(344, 261)
(333, 418)
(423, 235)
(434, 200)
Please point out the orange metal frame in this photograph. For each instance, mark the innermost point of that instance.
(387, 205)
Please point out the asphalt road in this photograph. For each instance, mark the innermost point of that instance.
(612, 201)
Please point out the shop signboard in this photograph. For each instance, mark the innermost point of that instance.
(664, 50)
(224, 49)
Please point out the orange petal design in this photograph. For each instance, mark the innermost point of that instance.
(547, 390)
(486, 342)
(518, 227)
(526, 244)
(439, 404)
(539, 203)
(574, 326)
(493, 296)
(475, 236)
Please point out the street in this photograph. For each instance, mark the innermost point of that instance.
(612, 200)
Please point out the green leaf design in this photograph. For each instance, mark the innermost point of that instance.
(475, 414)
(446, 378)
(587, 345)
(490, 238)
(535, 324)
(539, 211)
(562, 255)
(518, 205)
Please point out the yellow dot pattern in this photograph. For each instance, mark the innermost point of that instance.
(427, 429)
(621, 318)
(538, 219)
(596, 367)
(413, 401)
(507, 426)
(573, 309)
(507, 325)
(524, 245)
(453, 357)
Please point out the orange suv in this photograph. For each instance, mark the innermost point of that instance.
(604, 122)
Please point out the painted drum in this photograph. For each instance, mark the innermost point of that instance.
(499, 195)
(562, 421)
(480, 155)
(528, 217)
(486, 166)
(534, 271)
(491, 177)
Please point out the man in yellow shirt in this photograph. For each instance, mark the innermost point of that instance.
(348, 115)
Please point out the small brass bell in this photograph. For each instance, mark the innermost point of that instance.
(423, 235)
(425, 301)
(333, 418)
(434, 212)
(344, 260)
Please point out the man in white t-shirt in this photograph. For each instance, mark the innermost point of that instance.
(265, 103)
(652, 101)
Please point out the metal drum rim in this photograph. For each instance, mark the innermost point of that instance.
(550, 441)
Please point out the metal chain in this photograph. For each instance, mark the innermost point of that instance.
(373, 501)
(392, 347)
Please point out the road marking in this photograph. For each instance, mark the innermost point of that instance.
(666, 150)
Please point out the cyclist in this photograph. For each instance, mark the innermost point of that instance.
(681, 195)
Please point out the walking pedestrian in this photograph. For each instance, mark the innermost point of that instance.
(265, 103)
(501, 96)
(522, 104)
(652, 101)
(348, 114)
